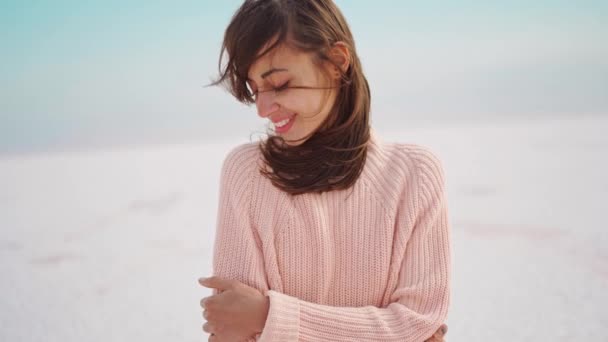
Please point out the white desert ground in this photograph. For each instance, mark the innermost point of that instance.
(108, 245)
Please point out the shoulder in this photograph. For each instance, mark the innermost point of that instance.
(241, 157)
(425, 164)
(400, 170)
(407, 159)
(428, 176)
(239, 165)
(411, 163)
(423, 158)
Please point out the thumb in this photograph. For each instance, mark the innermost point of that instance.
(216, 282)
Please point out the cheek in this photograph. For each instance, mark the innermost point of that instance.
(306, 105)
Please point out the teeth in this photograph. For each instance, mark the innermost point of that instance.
(281, 123)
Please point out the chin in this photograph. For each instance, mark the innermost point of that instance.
(292, 137)
(292, 143)
(293, 134)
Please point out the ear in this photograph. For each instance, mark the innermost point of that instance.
(340, 55)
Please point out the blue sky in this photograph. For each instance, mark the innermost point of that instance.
(93, 73)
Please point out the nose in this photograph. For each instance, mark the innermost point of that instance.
(266, 104)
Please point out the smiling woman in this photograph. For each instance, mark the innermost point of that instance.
(297, 62)
(284, 102)
(324, 232)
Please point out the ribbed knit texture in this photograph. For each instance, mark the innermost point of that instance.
(370, 263)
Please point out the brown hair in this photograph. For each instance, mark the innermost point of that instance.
(334, 154)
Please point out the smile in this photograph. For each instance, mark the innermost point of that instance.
(284, 125)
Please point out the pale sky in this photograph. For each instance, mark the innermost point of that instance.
(97, 73)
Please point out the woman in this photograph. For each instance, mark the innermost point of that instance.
(324, 232)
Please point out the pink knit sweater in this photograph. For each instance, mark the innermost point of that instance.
(370, 263)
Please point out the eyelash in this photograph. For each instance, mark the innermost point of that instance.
(281, 88)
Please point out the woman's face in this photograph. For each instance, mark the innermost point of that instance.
(294, 112)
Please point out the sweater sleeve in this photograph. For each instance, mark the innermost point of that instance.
(237, 253)
(419, 304)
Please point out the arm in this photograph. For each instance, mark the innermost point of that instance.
(419, 304)
(237, 253)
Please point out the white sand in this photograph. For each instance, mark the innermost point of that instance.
(108, 246)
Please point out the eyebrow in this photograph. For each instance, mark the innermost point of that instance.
(270, 72)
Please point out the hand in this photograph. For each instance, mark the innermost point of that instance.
(236, 313)
(439, 334)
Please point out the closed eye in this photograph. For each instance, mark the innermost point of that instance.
(278, 89)
(283, 87)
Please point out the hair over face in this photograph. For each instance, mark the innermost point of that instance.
(332, 157)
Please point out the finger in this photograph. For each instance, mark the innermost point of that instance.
(204, 302)
(441, 331)
(208, 328)
(216, 282)
(201, 280)
(434, 339)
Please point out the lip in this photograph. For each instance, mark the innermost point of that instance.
(286, 127)
(275, 120)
